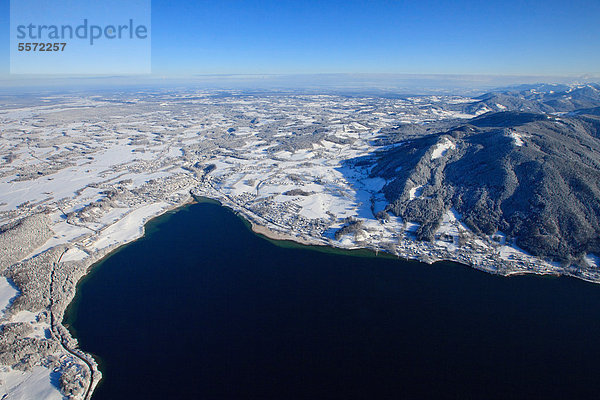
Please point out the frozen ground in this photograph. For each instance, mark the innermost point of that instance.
(40, 383)
(7, 293)
(441, 148)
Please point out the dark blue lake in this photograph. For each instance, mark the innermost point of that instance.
(202, 308)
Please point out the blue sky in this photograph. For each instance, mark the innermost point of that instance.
(440, 37)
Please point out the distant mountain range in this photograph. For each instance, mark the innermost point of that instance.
(528, 168)
(543, 98)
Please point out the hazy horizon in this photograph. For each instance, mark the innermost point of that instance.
(342, 82)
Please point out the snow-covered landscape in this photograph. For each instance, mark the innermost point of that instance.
(81, 174)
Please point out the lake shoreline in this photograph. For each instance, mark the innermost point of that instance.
(414, 276)
(265, 228)
(68, 338)
(260, 230)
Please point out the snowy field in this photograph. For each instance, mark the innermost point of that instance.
(7, 293)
